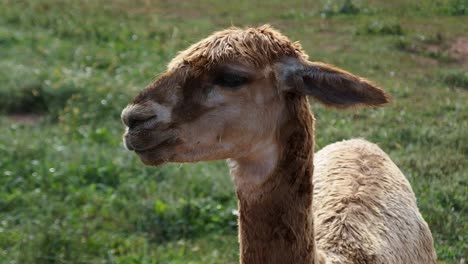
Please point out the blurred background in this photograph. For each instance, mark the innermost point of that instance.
(70, 193)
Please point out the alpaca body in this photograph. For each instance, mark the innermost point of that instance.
(241, 95)
(364, 208)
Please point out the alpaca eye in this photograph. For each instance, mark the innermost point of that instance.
(230, 80)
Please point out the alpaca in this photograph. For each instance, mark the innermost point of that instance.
(241, 95)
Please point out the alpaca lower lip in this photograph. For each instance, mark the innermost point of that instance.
(157, 154)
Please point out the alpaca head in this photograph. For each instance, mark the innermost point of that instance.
(224, 97)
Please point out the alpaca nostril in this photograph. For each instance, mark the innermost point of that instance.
(133, 122)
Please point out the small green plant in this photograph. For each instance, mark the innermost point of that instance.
(334, 7)
(381, 27)
(457, 7)
(455, 78)
(432, 46)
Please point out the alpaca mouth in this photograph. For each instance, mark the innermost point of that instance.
(146, 150)
(153, 148)
(142, 141)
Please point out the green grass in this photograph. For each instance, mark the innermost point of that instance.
(70, 193)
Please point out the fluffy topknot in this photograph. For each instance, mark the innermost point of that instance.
(256, 46)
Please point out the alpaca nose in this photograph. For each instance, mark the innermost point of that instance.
(136, 121)
(133, 119)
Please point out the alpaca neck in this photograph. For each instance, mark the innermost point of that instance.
(274, 189)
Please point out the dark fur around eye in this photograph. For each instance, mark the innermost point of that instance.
(230, 80)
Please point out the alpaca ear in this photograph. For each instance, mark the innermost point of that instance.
(328, 84)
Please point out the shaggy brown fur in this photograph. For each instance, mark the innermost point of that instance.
(358, 207)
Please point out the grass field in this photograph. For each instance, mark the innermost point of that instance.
(70, 193)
